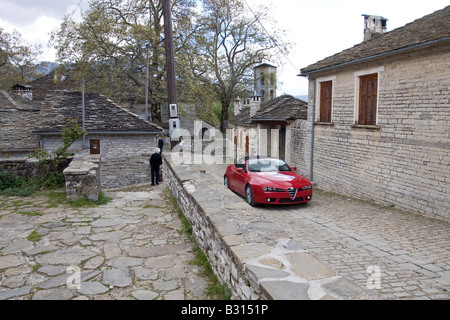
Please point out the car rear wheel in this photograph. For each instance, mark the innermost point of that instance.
(249, 195)
(225, 182)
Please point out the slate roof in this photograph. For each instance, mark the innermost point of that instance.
(283, 108)
(17, 118)
(431, 29)
(101, 114)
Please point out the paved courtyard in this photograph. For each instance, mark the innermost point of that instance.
(391, 253)
(131, 248)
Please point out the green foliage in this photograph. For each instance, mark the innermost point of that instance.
(49, 163)
(13, 186)
(85, 202)
(18, 59)
(49, 166)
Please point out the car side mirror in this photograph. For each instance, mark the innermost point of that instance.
(240, 170)
(294, 168)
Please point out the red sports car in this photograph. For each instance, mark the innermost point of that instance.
(267, 180)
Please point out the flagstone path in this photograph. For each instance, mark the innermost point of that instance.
(134, 247)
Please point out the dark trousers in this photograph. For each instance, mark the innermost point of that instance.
(155, 174)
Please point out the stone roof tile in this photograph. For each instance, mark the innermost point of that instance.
(429, 29)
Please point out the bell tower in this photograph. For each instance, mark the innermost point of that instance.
(265, 82)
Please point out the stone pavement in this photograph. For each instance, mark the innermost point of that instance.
(132, 248)
(391, 253)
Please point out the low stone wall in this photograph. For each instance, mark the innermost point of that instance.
(19, 167)
(255, 258)
(83, 177)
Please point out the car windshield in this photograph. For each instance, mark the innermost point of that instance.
(267, 165)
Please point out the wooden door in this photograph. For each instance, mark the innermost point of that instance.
(94, 145)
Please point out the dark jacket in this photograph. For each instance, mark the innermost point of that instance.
(160, 143)
(155, 160)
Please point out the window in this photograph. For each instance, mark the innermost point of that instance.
(368, 91)
(326, 98)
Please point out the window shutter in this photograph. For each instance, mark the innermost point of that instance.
(326, 90)
(368, 89)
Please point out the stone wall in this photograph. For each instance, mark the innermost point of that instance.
(125, 157)
(255, 258)
(404, 160)
(83, 178)
(19, 167)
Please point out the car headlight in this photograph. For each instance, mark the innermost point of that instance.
(270, 189)
(305, 188)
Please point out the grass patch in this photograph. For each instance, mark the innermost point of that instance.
(85, 202)
(216, 290)
(34, 236)
(56, 198)
(30, 213)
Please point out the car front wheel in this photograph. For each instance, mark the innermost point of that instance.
(249, 195)
(225, 182)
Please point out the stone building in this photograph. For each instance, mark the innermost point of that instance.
(381, 114)
(17, 116)
(124, 140)
(265, 128)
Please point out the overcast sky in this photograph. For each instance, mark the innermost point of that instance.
(318, 28)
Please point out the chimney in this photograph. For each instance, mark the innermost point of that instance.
(255, 104)
(237, 106)
(374, 26)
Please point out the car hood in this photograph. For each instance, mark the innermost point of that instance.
(280, 179)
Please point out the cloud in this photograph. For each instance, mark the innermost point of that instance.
(24, 13)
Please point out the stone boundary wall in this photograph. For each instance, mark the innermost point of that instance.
(255, 258)
(19, 167)
(24, 167)
(83, 177)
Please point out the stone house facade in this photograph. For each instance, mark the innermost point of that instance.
(124, 140)
(265, 128)
(380, 113)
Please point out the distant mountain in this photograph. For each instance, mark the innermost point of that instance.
(304, 98)
(46, 67)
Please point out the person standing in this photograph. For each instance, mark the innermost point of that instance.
(160, 144)
(155, 162)
(181, 143)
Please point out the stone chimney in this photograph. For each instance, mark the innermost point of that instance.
(237, 106)
(255, 104)
(374, 26)
(23, 90)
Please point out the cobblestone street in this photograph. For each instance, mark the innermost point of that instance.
(411, 251)
(131, 248)
(356, 238)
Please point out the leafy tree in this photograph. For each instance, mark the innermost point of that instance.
(110, 47)
(231, 40)
(18, 59)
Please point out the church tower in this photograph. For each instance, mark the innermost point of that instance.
(265, 81)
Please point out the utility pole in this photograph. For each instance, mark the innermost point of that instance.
(174, 122)
(170, 60)
(146, 85)
(83, 120)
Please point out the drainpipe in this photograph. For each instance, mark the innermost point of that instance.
(311, 174)
(83, 119)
